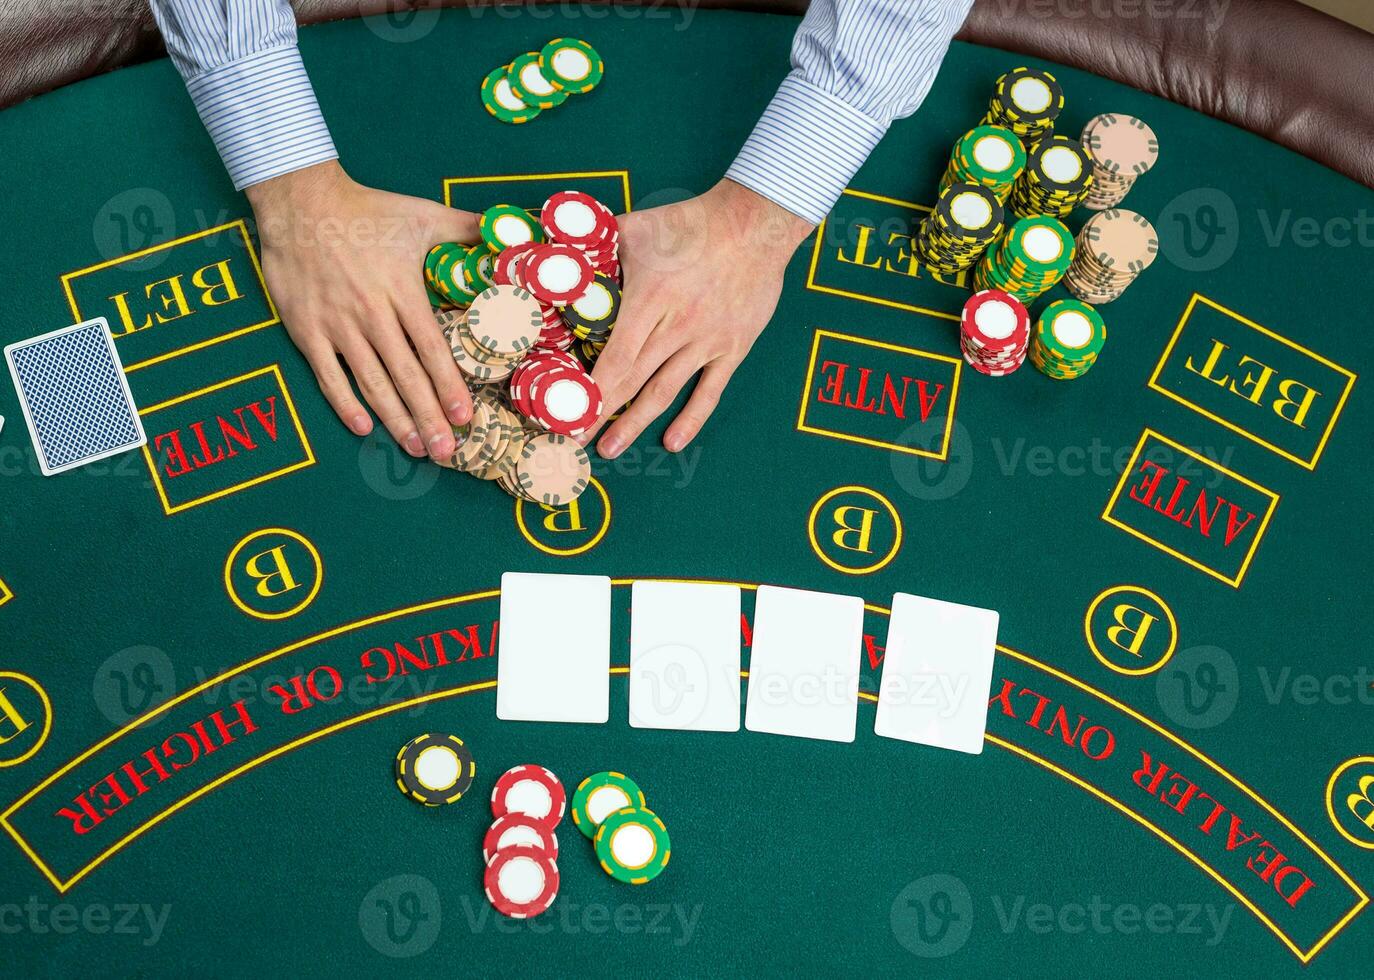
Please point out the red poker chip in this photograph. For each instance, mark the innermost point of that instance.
(575, 218)
(558, 344)
(504, 263)
(552, 316)
(521, 881)
(531, 790)
(555, 273)
(521, 394)
(565, 400)
(995, 321)
(516, 829)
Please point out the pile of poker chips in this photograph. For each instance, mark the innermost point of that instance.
(1027, 101)
(1122, 148)
(993, 332)
(631, 842)
(520, 847)
(965, 220)
(1057, 178)
(511, 309)
(1114, 248)
(434, 769)
(990, 156)
(1029, 259)
(540, 80)
(1067, 339)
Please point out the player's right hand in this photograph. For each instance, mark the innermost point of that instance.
(343, 265)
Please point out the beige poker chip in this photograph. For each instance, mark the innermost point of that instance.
(553, 469)
(505, 321)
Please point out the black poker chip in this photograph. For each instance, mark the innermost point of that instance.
(435, 769)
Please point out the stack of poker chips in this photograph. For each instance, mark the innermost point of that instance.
(520, 847)
(539, 80)
(1030, 258)
(1027, 101)
(1122, 148)
(1114, 248)
(1067, 339)
(990, 156)
(993, 332)
(631, 842)
(966, 219)
(1057, 178)
(511, 309)
(435, 769)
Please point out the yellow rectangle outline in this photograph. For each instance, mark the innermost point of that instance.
(242, 226)
(1125, 476)
(624, 176)
(309, 460)
(864, 297)
(810, 373)
(1308, 464)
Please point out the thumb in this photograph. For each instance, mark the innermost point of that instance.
(449, 224)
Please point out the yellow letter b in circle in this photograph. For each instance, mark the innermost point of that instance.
(1136, 634)
(854, 530)
(273, 573)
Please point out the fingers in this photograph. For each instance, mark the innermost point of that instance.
(375, 384)
(413, 385)
(337, 391)
(624, 365)
(437, 358)
(705, 397)
(656, 396)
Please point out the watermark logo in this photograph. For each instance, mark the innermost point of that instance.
(132, 681)
(400, 917)
(1199, 687)
(933, 916)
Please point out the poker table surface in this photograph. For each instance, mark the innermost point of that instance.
(214, 649)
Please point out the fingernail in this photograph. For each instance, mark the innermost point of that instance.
(610, 447)
(458, 413)
(360, 424)
(413, 445)
(440, 445)
(673, 442)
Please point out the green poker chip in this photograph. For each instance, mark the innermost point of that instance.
(477, 270)
(502, 102)
(531, 86)
(632, 845)
(572, 66)
(505, 225)
(600, 795)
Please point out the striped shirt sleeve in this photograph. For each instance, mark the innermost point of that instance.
(856, 66)
(244, 74)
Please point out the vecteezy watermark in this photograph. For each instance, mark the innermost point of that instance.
(1307, 689)
(392, 474)
(942, 692)
(1199, 687)
(39, 918)
(132, 681)
(673, 922)
(1207, 14)
(934, 916)
(1203, 920)
(400, 917)
(925, 478)
(653, 462)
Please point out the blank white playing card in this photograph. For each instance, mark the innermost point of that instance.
(553, 651)
(74, 396)
(937, 673)
(804, 664)
(684, 656)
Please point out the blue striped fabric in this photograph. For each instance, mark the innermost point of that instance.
(245, 75)
(856, 66)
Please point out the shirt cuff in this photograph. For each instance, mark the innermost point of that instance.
(805, 149)
(263, 116)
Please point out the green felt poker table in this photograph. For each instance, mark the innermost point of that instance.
(213, 649)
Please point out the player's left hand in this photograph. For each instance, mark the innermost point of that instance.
(702, 279)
